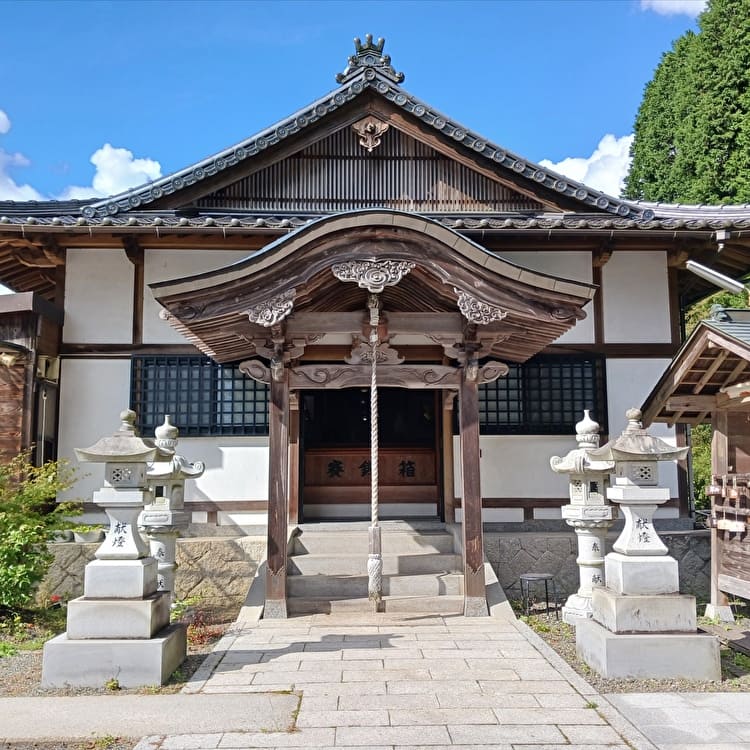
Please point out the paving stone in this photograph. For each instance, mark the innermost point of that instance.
(577, 747)
(478, 734)
(231, 689)
(409, 687)
(572, 700)
(424, 701)
(438, 716)
(422, 735)
(340, 688)
(548, 716)
(356, 718)
(191, 742)
(312, 737)
(478, 700)
(275, 678)
(591, 735)
(389, 675)
(454, 665)
(322, 703)
(525, 686)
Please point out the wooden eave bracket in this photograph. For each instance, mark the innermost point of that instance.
(45, 253)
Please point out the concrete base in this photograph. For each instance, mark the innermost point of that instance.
(118, 618)
(120, 579)
(662, 613)
(475, 606)
(641, 574)
(657, 656)
(720, 612)
(133, 663)
(577, 608)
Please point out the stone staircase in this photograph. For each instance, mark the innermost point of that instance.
(327, 568)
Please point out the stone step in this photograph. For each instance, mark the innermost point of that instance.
(356, 564)
(351, 587)
(394, 542)
(409, 604)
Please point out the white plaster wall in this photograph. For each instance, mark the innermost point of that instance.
(98, 297)
(629, 381)
(93, 392)
(236, 467)
(517, 466)
(163, 265)
(575, 265)
(636, 298)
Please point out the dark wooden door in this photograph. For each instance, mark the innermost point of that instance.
(335, 461)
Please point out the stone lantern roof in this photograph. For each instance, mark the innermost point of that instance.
(635, 444)
(581, 459)
(124, 446)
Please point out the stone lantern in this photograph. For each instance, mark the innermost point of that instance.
(119, 629)
(642, 626)
(589, 513)
(164, 516)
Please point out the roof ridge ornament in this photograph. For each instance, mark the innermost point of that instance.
(369, 55)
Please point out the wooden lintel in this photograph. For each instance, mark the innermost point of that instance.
(434, 323)
(691, 403)
(389, 376)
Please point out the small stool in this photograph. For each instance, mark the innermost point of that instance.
(527, 579)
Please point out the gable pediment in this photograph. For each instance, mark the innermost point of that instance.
(351, 169)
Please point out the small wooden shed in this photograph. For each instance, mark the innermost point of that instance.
(709, 381)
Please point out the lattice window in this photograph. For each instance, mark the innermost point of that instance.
(203, 397)
(546, 395)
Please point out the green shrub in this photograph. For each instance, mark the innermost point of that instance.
(29, 517)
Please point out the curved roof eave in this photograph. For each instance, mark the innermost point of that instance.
(284, 247)
(368, 79)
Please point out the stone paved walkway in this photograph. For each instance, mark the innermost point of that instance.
(407, 682)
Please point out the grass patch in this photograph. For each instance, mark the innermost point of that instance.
(29, 629)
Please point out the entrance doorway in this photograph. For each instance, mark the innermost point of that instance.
(335, 471)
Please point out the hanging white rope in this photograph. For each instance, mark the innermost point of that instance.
(375, 559)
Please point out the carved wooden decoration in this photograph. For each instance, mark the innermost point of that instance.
(370, 131)
(256, 369)
(358, 376)
(373, 275)
(362, 354)
(491, 371)
(274, 310)
(476, 311)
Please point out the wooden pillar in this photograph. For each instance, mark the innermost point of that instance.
(278, 474)
(720, 466)
(294, 459)
(683, 480)
(449, 506)
(475, 601)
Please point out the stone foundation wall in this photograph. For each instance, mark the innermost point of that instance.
(513, 554)
(216, 570)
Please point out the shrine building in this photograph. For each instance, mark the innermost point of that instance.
(237, 295)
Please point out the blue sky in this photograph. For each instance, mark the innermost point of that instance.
(146, 88)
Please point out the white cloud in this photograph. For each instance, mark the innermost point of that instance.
(10, 190)
(692, 8)
(116, 170)
(604, 170)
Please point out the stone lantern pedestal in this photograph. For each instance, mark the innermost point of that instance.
(164, 516)
(642, 626)
(119, 629)
(589, 513)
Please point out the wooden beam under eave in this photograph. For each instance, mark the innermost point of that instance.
(707, 375)
(691, 403)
